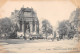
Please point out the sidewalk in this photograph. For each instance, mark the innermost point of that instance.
(2, 50)
(38, 46)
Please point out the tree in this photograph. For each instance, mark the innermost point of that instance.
(65, 28)
(6, 26)
(62, 29)
(46, 28)
(75, 19)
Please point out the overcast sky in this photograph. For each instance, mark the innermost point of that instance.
(53, 11)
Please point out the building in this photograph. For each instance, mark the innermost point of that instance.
(26, 20)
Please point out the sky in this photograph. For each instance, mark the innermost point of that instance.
(53, 11)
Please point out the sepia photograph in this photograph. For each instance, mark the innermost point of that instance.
(39, 26)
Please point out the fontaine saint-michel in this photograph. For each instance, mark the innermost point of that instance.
(26, 20)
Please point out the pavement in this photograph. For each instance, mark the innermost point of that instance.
(38, 46)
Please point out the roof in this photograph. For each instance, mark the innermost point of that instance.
(27, 9)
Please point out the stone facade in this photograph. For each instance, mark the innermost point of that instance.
(26, 20)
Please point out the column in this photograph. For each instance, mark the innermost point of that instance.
(23, 27)
(31, 27)
(20, 23)
(37, 27)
